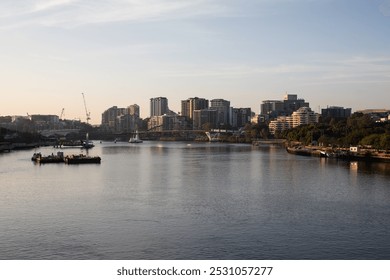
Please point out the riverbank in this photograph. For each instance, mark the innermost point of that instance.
(8, 147)
(351, 154)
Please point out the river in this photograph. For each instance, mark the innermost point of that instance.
(177, 200)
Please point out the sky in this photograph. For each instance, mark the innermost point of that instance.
(124, 52)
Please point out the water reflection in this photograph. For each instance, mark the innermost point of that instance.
(362, 167)
(161, 200)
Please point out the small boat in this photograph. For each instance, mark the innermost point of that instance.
(80, 159)
(87, 144)
(135, 138)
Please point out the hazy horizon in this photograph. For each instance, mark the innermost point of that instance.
(123, 52)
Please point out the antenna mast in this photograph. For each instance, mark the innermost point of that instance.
(87, 114)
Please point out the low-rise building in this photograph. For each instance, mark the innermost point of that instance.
(280, 124)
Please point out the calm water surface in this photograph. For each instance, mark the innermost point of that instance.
(193, 201)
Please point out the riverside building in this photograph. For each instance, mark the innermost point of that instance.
(158, 106)
(302, 116)
(191, 104)
(120, 120)
(223, 111)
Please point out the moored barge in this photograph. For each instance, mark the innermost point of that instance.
(81, 159)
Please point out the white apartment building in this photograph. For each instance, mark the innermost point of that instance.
(280, 124)
(304, 115)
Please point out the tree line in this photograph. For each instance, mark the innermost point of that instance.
(359, 129)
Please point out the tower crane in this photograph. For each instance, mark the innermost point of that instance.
(62, 113)
(87, 114)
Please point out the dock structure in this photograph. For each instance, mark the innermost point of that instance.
(351, 154)
(269, 142)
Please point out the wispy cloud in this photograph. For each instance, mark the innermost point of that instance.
(71, 13)
(358, 69)
(238, 71)
(355, 70)
(48, 5)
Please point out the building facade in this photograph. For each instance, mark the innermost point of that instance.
(272, 108)
(204, 117)
(240, 117)
(167, 122)
(190, 105)
(280, 124)
(133, 110)
(336, 112)
(119, 120)
(158, 106)
(304, 115)
(223, 112)
(285, 107)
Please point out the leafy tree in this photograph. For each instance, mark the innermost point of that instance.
(385, 141)
(373, 140)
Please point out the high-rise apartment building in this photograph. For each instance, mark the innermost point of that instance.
(241, 116)
(272, 107)
(190, 105)
(292, 103)
(223, 111)
(133, 110)
(120, 120)
(109, 117)
(158, 106)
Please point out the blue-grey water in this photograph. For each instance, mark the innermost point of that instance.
(173, 200)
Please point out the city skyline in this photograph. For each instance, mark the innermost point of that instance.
(126, 52)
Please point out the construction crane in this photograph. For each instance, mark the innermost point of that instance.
(62, 113)
(87, 114)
